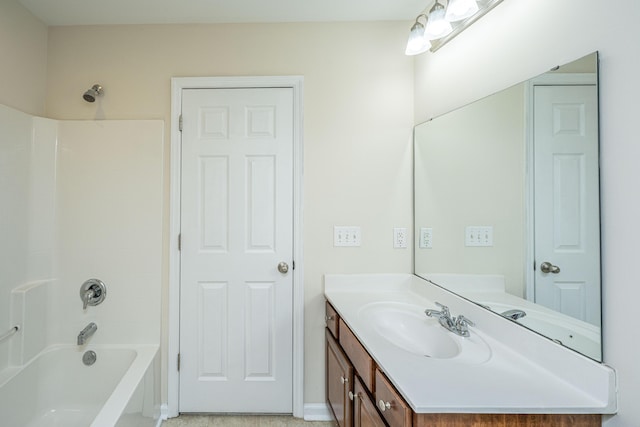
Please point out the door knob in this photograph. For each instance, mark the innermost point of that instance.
(283, 267)
(547, 267)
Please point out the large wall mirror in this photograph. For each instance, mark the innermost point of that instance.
(507, 210)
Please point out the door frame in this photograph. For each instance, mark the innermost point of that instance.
(547, 79)
(178, 84)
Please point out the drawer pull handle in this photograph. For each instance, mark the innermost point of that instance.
(352, 396)
(384, 405)
(344, 380)
(328, 318)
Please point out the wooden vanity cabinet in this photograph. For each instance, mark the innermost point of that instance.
(339, 380)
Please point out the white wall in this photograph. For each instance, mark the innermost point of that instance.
(27, 189)
(109, 227)
(81, 199)
(15, 162)
(358, 109)
(523, 38)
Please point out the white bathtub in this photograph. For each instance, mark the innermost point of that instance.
(56, 389)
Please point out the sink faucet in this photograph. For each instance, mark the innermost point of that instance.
(87, 332)
(458, 325)
(514, 314)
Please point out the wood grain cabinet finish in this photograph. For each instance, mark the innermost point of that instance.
(339, 381)
(362, 362)
(365, 413)
(392, 406)
(331, 319)
(507, 420)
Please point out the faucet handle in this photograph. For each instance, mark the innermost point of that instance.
(445, 309)
(463, 321)
(462, 325)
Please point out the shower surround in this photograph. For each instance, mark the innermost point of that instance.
(81, 200)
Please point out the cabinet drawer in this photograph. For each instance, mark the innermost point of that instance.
(393, 407)
(362, 362)
(331, 319)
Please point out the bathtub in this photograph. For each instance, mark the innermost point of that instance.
(56, 389)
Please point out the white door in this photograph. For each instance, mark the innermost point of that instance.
(566, 217)
(236, 227)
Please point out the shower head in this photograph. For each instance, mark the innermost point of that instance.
(93, 93)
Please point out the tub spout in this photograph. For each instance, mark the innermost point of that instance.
(87, 332)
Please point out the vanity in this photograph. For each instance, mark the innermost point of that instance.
(500, 324)
(388, 364)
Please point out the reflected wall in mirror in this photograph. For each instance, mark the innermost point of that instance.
(507, 204)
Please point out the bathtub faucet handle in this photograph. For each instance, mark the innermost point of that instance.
(86, 297)
(92, 292)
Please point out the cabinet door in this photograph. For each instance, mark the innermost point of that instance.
(339, 382)
(364, 411)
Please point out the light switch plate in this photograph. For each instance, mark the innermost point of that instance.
(478, 235)
(346, 235)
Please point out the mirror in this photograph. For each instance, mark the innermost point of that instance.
(507, 204)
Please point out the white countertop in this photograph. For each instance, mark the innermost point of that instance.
(506, 382)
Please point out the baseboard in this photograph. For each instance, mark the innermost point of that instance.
(164, 411)
(312, 412)
(317, 412)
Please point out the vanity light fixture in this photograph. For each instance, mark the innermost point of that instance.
(417, 43)
(444, 23)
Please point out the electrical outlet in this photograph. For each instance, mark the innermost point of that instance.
(400, 238)
(426, 238)
(479, 235)
(346, 236)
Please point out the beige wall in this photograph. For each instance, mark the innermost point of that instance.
(23, 54)
(358, 109)
(523, 38)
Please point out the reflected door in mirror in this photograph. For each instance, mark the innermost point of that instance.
(566, 215)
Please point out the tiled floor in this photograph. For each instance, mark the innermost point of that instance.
(243, 421)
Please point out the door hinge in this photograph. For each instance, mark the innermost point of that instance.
(178, 362)
(180, 241)
(293, 265)
(180, 122)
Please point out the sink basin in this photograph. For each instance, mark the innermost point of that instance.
(408, 328)
(411, 331)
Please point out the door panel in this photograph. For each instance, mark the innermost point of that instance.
(567, 222)
(236, 226)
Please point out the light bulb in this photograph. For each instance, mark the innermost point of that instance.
(457, 10)
(417, 43)
(437, 25)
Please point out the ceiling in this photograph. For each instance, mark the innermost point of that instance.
(99, 12)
